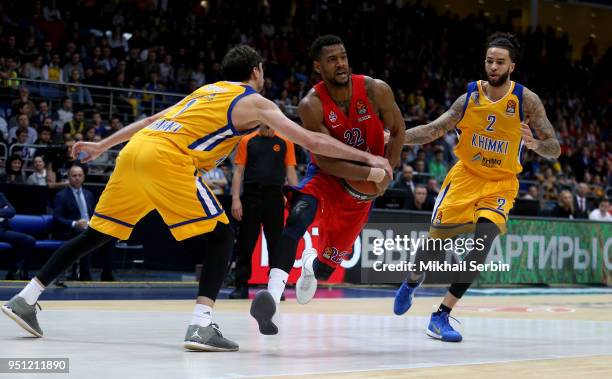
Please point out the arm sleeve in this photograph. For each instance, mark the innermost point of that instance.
(290, 154)
(241, 154)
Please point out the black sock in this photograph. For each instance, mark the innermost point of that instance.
(413, 279)
(443, 308)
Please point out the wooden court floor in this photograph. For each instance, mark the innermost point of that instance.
(497, 313)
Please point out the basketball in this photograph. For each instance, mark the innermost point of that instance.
(360, 189)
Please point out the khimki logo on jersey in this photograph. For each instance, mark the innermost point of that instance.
(490, 144)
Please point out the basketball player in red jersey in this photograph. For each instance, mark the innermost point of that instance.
(354, 109)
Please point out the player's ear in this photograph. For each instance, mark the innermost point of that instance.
(512, 67)
(317, 67)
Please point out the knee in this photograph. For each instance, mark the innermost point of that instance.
(300, 217)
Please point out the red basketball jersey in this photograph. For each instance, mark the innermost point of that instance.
(361, 128)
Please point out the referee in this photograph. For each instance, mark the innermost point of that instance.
(264, 159)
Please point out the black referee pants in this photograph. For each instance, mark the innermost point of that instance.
(261, 205)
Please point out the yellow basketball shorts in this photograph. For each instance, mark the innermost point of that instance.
(152, 174)
(465, 197)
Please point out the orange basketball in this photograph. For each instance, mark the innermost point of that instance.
(360, 189)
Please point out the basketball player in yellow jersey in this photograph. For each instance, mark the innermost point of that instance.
(159, 170)
(493, 120)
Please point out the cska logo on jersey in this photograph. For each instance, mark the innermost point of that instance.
(332, 116)
(511, 108)
(361, 107)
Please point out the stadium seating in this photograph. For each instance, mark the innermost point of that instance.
(39, 227)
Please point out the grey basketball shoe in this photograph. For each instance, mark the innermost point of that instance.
(263, 309)
(207, 338)
(23, 314)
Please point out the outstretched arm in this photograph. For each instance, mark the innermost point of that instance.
(547, 144)
(317, 143)
(311, 114)
(95, 149)
(430, 132)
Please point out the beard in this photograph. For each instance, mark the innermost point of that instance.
(339, 83)
(501, 80)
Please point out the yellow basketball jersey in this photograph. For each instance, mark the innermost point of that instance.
(200, 125)
(490, 140)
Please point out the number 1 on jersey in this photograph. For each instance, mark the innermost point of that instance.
(185, 107)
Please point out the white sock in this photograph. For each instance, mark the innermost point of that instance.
(31, 292)
(202, 315)
(277, 283)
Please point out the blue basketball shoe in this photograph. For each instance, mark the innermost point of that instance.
(404, 295)
(439, 328)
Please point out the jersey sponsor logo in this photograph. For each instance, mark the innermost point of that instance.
(490, 162)
(490, 144)
(334, 255)
(511, 108)
(362, 119)
(361, 107)
(276, 148)
(332, 117)
(486, 162)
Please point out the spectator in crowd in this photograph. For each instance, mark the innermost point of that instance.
(533, 193)
(33, 69)
(74, 207)
(74, 126)
(582, 205)
(43, 175)
(438, 167)
(24, 98)
(23, 244)
(264, 162)
(433, 189)
(420, 202)
(42, 114)
(74, 64)
(565, 207)
(63, 115)
(602, 212)
(78, 94)
(98, 124)
(13, 173)
(405, 181)
(20, 147)
(52, 71)
(45, 133)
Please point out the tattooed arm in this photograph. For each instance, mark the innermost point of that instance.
(437, 128)
(535, 115)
